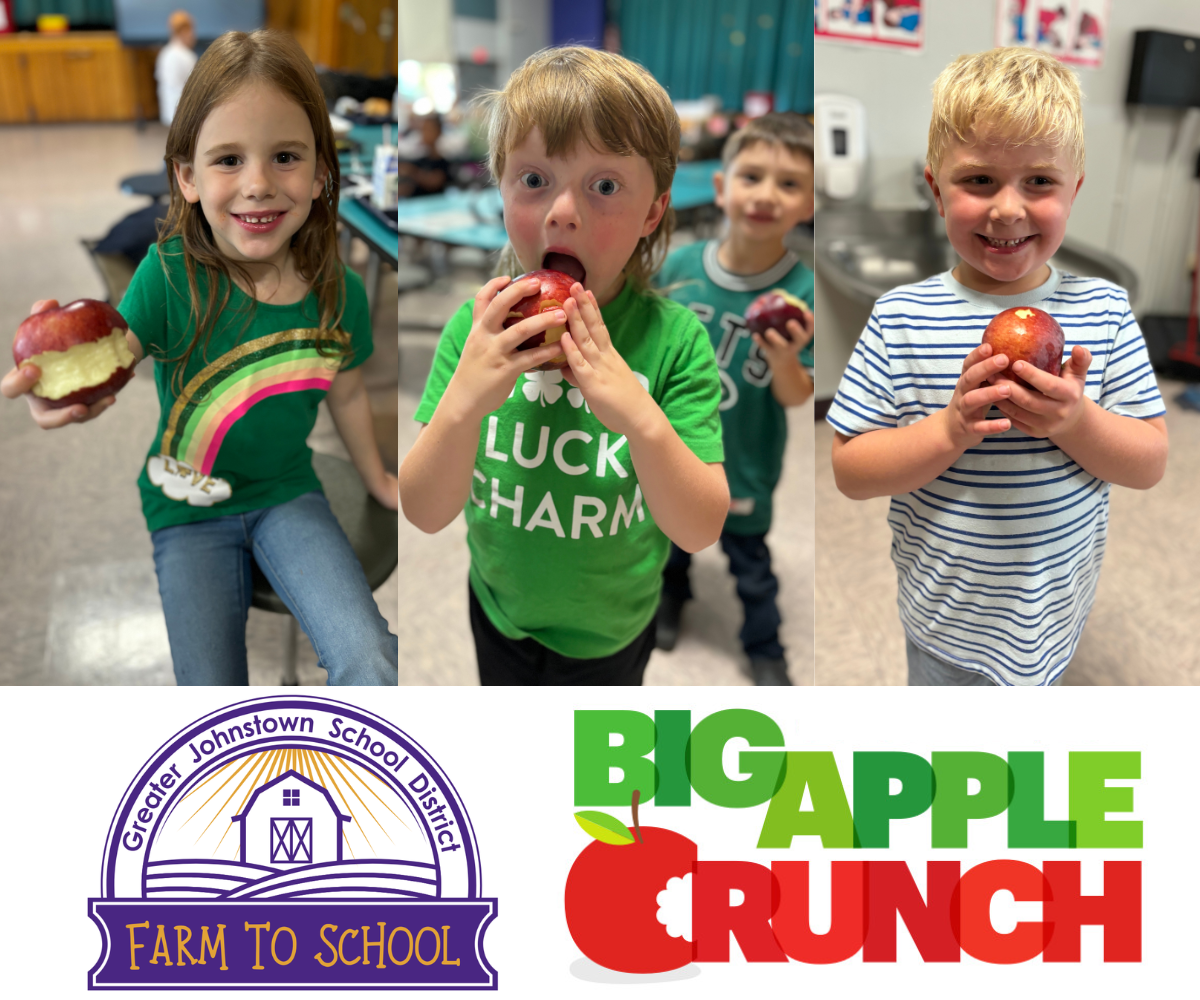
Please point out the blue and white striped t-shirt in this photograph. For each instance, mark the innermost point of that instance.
(999, 557)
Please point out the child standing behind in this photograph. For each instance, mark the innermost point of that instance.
(765, 189)
(571, 492)
(999, 489)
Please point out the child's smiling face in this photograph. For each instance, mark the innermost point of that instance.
(767, 190)
(255, 174)
(1006, 209)
(588, 205)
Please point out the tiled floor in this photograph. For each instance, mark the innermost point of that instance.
(78, 599)
(435, 637)
(1142, 628)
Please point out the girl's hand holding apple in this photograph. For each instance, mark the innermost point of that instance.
(21, 380)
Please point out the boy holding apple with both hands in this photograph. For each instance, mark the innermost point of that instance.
(999, 488)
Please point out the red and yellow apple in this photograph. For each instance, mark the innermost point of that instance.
(772, 310)
(554, 291)
(80, 349)
(1024, 333)
(611, 901)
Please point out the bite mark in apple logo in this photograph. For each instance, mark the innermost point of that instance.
(613, 894)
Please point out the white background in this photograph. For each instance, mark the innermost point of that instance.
(72, 752)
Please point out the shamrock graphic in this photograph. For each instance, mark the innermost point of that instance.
(544, 385)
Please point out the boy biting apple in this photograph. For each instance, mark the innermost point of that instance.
(765, 188)
(999, 489)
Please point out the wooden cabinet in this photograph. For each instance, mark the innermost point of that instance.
(76, 77)
(15, 102)
(350, 36)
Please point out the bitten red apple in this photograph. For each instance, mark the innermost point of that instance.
(772, 310)
(611, 901)
(80, 349)
(1026, 334)
(554, 291)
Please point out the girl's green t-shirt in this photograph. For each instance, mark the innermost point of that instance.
(563, 547)
(234, 438)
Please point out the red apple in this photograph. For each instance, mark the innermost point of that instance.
(555, 290)
(80, 349)
(612, 901)
(1026, 334)
(772, 310)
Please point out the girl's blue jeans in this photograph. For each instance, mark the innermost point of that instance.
(204, 577)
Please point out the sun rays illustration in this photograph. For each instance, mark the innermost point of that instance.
(201, 825)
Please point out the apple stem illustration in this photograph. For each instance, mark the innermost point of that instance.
(637, 831)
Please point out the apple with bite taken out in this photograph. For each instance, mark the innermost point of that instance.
(772, 310)
(80, 349)
(611, 897)
(554, 291)
(1024, 333)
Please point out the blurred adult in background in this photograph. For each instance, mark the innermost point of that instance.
(423, 167)
(174, 63)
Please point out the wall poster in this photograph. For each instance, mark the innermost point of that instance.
(889, 23)
(1075, 31)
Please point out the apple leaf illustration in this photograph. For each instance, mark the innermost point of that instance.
(605, 828)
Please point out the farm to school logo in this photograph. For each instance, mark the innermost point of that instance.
(291, 843)
(640, 901)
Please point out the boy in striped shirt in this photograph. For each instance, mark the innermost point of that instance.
(999, 490)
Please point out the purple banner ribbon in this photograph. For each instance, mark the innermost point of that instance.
(296, 944)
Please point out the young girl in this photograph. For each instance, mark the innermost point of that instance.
(572, 491)
(252, 320)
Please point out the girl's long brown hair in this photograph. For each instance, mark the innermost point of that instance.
(230, 63)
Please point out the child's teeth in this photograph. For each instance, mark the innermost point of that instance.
(1006, 243)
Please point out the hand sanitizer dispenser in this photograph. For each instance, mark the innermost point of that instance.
(841, 146)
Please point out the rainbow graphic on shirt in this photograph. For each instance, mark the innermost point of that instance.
(227, 389)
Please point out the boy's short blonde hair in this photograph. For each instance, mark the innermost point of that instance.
(575, 94)
(1014, 95)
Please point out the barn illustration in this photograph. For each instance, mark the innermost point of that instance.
(291, 822)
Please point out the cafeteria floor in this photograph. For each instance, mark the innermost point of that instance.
(78, 599)
(1141, 630)
(435, 636)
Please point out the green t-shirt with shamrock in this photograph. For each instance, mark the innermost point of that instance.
(753, 422)
(232, 430)
(563, 547)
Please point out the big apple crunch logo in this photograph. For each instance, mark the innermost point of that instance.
(292, 843)
(640, 900)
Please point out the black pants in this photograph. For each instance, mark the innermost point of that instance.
(750, 563)
(525, 661)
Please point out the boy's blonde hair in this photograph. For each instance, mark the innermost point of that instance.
(575, 94)
(1014, 95)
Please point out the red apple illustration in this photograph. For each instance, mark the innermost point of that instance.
(1026, 334)
(80, 349)
(772, 310)
(612, 889)
(554, 291)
